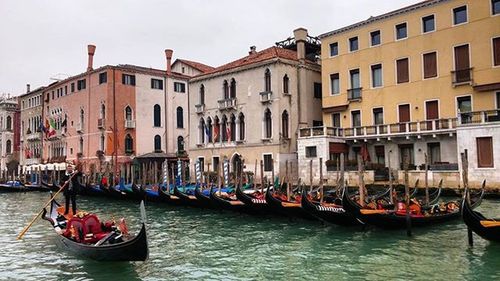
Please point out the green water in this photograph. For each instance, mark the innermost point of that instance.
(193, 244)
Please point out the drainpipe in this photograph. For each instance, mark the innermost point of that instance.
(115, 136)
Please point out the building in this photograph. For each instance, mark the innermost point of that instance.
(252, 108)
(421, 80)
(109, 116)
(9, 137)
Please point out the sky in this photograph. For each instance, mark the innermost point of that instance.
(45, 39)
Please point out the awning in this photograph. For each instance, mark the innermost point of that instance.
(336, 147)
(337, 108)
(487, 87)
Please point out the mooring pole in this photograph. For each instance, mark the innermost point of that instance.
(262, 177)
(310, 176)
(465, 167)
(321, 179)
(407, 197)
(426, 180)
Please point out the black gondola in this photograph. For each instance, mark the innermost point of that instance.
(291, 209)
(204, 200)
(392, 219)
(51, 186)
(12, 187)
(259, 205)
(112, 247)
(187, 199)
(36, 187)
(169, 198)
(227, 204)
(331, 213)
(488, 229)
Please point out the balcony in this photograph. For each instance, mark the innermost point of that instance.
(461, 77)
(199, 108)
(266, 97)
(33, 137)
(101, 123)
(354, 94)
(226, 104)
(79, 127)
(479, 117)
(129, 124)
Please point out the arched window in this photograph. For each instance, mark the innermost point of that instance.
(128, 113)
(201, 131)
(202, 94)
(284, 125)
(225, 89)
(157, 143)
(285, 84)
(232, 89)
(82, 117)
(242, 126)
(268, 124)
(216, 129)
(103, 111)
(102, 140)
(129, 144)
(180, 144)
(156, 115)
(223, 130)
(8, 148)
(267, 80)
(180, 117)
(81, 144)
(232, 127)
(210, 129)
(9, 123)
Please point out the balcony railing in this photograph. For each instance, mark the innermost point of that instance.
(200, 108)
(461, 76)
(79, 127)
(129, 124)
(266, 97)
(354, 94)
(33, 137)
(227, 103)
(101, 123)
(479, 117)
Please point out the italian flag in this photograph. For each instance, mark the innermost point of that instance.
(51, 129)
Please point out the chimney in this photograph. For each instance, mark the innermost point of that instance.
(168, 54)
(91, 51)
(27, 88)
(300, 39)
(253, 50)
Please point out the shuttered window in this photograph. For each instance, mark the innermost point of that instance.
(402, 71)
(484, 152)
(496, 51)
(430, 65)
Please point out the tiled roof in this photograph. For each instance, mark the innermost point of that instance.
(394, 13)
(196, 65)
(150, 70)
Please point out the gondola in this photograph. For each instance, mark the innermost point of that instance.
(93, 190)
(254, 203)
(187, 199)
(287, 208)
(51, 186)
(203, 199)
(169, 198)
(389, 218)
(13, 186)
(488, 229)
(328, 212)
(99, 244)
(32, 186)
(227, 204)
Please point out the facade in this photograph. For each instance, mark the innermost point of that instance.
(251, 109)
(9, 136)
(31, 136)
(421, 80)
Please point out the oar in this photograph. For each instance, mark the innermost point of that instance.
(45, 206)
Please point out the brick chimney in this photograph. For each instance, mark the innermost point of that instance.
(91, 51)
(300, 38)
(168, 55)
(27, 88)
(253, 50)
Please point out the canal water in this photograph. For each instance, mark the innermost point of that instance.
(193, 244)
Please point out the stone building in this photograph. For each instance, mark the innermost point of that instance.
(9, 137)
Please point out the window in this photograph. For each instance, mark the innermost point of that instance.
(353, 44)
(80, 85)
(375, 38)
(225, 89)
(157, 143)
(8, 147)
(356, 118)
(129, 144)
(128, 113)
(407, 153)
(376, 75)
(268, 162)
(128, 79)
(311, 151)
(496, 51)
(317, 90)
(232, 89)
(268, 130)
(401, 31)
(81, 145)
(485, 152)
(430, 65)
(72, 87)
(284, 125)
(180, 144)
(156, 115)
(216, 162)
(462, 71)
(495, 7)
(334, 83)
(498, 102)
(202, 94)
(103, 77)
(317, 123)
(286, 81)
(460, 15)
(101, 143)
(428, 24)
(378, 116)
(201, 131)
(180, 117)
(8, 123)
(464, 106)
(336, 120)
(65, 90)
(434, 152)
(102, 113)
(380, 154)
(267, 81)
(242, 126)
(232, 128)
(354, 74)
(156, 84)
(179, 87)
(402, 71)
(334, 49)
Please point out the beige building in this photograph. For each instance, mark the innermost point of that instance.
(252, 108)
(9, 142)
(31, 136)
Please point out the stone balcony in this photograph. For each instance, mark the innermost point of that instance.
(33, 136)
(199, 108)
(226, 104)
(129, 124)
(478, 118)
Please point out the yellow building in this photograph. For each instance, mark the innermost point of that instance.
(420, 80)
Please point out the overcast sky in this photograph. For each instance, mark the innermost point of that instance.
(41, 39)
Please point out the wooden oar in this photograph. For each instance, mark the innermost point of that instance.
(44, 206)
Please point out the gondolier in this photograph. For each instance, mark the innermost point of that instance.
(71, 188)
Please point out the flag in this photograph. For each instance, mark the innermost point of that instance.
(207, 132)
(42, 127)
(216, 132)
(47, 126)
(52, 128)
(228, 133)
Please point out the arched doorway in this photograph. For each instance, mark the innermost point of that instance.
(236, 164)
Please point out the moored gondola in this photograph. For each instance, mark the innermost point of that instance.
(287, 208)
(13, 186)
(51, 186)
(187, 199)
(255, 201)
(169, 198)
(328, 212)
(488, 229)
(230, 202)
(203, 199)
(86, 237)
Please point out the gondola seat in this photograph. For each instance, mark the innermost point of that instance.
(88, 229)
